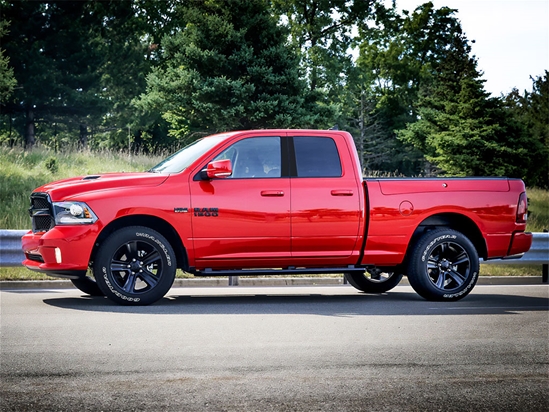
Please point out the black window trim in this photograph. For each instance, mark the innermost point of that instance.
(293, 159)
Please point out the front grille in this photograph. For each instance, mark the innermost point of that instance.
(43, 223)
(41, 212)
(40, 202)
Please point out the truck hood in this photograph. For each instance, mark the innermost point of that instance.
(67, 188)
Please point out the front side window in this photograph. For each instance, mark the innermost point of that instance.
(316, 157)
(256, 157)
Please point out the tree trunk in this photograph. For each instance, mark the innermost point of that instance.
(11, 140)
(29, 129)
(83, 136)
(138, 141)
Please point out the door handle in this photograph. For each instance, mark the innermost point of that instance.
(272, 193)
(342, 192)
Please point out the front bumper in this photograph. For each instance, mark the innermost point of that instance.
(63, 251)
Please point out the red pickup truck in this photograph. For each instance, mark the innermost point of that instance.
(272, 202)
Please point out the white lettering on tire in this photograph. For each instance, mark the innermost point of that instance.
(473, 279)
(159, 243)
(115, 292)
(433, 242)
(464, 291)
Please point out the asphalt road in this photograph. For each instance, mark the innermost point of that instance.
(276, 349)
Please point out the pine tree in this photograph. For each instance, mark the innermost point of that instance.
(461, 129)
(78, 64)
(228, 68)
(399, 55)
(56, 71)
(531, 111)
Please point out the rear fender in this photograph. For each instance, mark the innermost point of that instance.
(456, 222)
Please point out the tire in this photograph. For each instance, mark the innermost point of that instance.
(135, 266)
(374, 280)
(443, 265)
(88, 285)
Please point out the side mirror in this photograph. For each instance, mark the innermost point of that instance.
(219, 169)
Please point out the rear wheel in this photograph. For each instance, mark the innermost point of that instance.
(443, 265)
(135, 266)
(374, 280)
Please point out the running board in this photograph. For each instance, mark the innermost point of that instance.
(288, 271)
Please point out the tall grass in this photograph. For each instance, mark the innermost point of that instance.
(538, 210)
(23, 171)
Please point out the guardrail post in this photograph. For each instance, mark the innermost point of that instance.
(545, 269)
(233, 280)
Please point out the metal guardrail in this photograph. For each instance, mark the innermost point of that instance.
(12, 255)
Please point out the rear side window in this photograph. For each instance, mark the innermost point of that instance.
(316, 157)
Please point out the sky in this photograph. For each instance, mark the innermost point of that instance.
(511, 38)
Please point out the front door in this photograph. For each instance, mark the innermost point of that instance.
(244, 219)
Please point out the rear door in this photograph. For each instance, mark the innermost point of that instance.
(326, 200)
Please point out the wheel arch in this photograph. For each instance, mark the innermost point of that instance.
(152, 222)
(455, 221)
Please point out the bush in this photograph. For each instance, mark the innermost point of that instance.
(52, 165)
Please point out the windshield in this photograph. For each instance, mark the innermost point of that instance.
(182, 159)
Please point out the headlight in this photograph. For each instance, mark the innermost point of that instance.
(73, 213)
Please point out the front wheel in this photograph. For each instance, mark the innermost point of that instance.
(135, 266)
(374, 280)
(87, 285)
(443, 265)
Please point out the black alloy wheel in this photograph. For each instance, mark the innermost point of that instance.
(443, 265)
(135, 266)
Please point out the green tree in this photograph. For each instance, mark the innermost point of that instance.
(55, 69)
(129, 42)
(461, 129)
(229, 67)
(327, 34)
(7, 79)
(79, 65)
(400, 54)
(324, 31)
(531, 110)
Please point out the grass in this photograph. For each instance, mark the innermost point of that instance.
(21, 273)
(23, 171)
(538, 210)
(510, 270)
